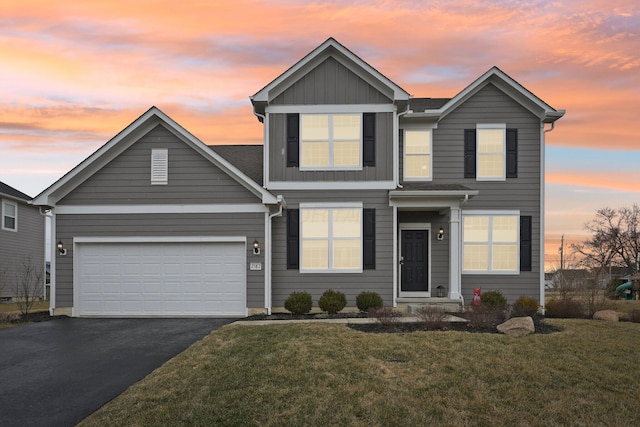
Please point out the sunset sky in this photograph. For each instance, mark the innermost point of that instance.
(74, 73)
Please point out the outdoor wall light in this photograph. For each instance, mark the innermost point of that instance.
(440, 235)
(256, 247)
(61, 249)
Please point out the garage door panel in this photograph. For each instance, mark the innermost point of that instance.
(174, 279)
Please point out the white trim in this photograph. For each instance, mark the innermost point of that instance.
(492, 126)
(542, 209)
(404, 154)
(267, 262)
(490, 212)
(331, 205)
(331, 108)
(332, 185)
(53, 266)
(159, 166)
(396, 259)
(15, 216)
(422, 226)
(331, 143)
(157, 209)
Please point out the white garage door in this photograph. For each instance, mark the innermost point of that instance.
(160, 279)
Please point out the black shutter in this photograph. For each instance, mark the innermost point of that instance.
(512, 153)
(469, 153)
(293, 239)
(293, 139)
(525, 243)
(369, 139)
(369, 239)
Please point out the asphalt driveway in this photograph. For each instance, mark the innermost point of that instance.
(56, 373)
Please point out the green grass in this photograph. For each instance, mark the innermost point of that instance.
(323, 374)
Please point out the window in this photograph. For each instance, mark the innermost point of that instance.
(159, 166)
(330, 141)
(491, 142)
(491, 243)
(417, 154)
(331, 239)
(9, 216)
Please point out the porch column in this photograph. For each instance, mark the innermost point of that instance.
(455, 289)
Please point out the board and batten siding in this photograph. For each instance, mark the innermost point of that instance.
(491, 105)
(380, 280)
(382, 171)
(127, 178)
(26, 245)
(69, 226)
(330, 83)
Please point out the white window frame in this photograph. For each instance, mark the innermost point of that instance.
(430, 154)
(491, 215)
(330, 166)
(331, 207)
(492, 126)
(159, 166)
(5, 215)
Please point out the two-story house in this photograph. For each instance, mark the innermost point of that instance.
(22, 250)
(358, 186)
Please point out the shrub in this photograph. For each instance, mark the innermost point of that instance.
(484, 316)
(433, 317)
(635, 316)
(525, 306)
(387, 316)
(367, 300)
(332, 301)
(494, 299)
(298, 303)
(564, 308)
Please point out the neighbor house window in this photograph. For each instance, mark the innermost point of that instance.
(9, 216)
(330, 141)
(491, 147)
(417, 154)
(159, 166)
(331, 239)
(490, 243)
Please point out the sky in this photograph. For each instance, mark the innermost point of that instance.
(74, 73)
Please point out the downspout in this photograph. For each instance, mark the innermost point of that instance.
(46, 214)
(267, 258)
(542, 210)
(396, 154)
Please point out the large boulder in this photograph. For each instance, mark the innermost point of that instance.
(608, 315)
(517, 327)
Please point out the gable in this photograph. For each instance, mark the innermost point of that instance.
(126, 179)
(330, 83)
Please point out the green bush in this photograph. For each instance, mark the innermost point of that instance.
(367, 300)
(494, 299)
(332, 301)
(298, 303)
(525, 306)
(564, 308)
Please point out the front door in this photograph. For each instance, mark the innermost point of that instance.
(414, 261)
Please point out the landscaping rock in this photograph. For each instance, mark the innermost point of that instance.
(608, 315)
(517, 327)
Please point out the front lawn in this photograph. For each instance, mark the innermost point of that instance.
(325, 374)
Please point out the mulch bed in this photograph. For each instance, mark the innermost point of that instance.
(38, 316)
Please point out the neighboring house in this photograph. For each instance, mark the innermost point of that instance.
(21, 238)
(358, 186)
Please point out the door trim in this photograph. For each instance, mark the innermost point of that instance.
(422, 226)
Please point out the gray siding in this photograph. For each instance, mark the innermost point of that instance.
(379, 280)
(330, 83)
(127, 178)
(382, 171)
(25, 245)
(250, 225)
(490, 105)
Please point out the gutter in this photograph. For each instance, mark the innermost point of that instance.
(267, 257)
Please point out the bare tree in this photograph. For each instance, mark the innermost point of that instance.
(28, 285)
(3, 279)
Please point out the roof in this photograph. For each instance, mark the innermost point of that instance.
(419, 105)
(7, 190)
(247, 158)
(127, 137)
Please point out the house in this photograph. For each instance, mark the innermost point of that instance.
(21, 239)
(358, 186)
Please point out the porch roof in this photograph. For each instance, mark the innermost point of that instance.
(429, 195)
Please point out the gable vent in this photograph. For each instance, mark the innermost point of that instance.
(159, 166)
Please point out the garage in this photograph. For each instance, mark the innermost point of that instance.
(156, 277)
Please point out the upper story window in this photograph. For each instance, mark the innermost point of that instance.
(491, 243)
(417, 155)
(9, 215)
(491, 146)
(330, 141)
(159, 166)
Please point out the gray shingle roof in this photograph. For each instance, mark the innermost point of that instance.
(10, 191)
(247, 158)
(428, 186)
(418, 105)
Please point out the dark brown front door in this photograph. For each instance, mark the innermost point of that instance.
(414, 261)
